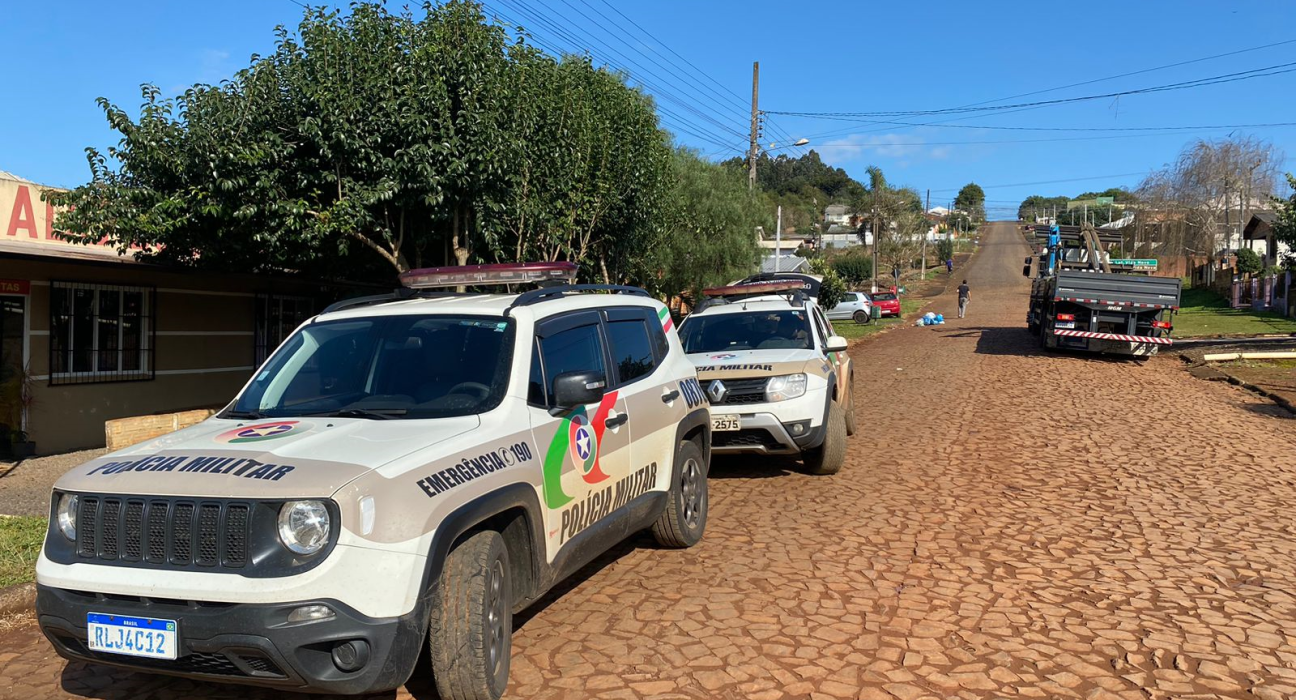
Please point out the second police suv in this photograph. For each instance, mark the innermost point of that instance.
(778, 379)
(400, 477)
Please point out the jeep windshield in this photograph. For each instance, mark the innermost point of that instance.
(384, 367)
(772, 330)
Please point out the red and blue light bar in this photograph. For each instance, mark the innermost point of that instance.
(492, 274)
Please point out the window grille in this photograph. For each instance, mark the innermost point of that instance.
(101, 333)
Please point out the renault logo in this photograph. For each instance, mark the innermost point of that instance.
(717, 391)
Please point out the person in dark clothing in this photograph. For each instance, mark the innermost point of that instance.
(964, 295)
(949, 265)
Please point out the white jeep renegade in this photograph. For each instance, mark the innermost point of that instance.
(404, 473)
(778, 379)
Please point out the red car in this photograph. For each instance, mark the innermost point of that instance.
(887, 303)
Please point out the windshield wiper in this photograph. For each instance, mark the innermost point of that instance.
(252, 415)
(364, 413)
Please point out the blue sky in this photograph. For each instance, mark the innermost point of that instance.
(815, 57)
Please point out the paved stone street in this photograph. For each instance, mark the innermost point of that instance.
(1011, 524)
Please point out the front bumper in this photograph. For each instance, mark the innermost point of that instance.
(246, 643)
(771, 428)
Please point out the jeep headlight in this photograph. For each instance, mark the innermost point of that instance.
(304, 526)
(66, 515)
(788, 386)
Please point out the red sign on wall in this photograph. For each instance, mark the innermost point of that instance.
(15, 287)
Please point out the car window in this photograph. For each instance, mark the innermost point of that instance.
(632, 352)
(884, 296)
(536, 383)
(578, 349)
(400, 366)
(747, 331)
(822, 325)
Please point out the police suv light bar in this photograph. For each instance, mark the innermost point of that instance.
(756, 289)
(494, 274)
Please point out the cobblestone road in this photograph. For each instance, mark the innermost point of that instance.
(1014, 525)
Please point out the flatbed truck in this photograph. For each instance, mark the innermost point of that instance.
(1081, 299)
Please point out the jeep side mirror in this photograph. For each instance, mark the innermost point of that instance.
(573, 389)
(835, 343)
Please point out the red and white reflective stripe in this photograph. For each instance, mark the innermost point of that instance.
(1114, 303)
(1114, 336)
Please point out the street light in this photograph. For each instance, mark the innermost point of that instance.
(778, 225)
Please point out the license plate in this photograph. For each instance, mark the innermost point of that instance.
(1064, 324)
(725, 423)
(132, 636)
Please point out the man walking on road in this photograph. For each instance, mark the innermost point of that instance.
(964, 295)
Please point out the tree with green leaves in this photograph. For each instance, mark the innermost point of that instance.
(853, 266)
(971, 199)
(370, 143)
(1285, 226)
(711, 229)
(1248, 261)
(832, 289)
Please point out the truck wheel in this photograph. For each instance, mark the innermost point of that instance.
(850, 414)
(471, 627)
(828, 457)
(862, 316)
(683, 521)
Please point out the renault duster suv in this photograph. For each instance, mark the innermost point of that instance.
(404, 474)
(778, 378)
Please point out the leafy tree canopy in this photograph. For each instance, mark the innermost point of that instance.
(1285, 227)
(971, 199)
(370, 143)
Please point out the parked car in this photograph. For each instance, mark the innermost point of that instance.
(854, 305)
(403, 474)
(778, 378)
(888, 303)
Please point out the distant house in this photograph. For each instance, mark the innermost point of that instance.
(837, 214)
(1259, 230)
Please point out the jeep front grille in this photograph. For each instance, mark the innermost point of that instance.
(163, 531)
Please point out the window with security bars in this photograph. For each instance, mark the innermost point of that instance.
(100, 333)
(277, 316)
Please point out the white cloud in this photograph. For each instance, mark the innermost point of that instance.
(907, 148)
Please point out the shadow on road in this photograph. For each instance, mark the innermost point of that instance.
(1271, 410)
(751, 466)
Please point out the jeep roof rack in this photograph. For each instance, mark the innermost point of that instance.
(791, 290)
(551, 292)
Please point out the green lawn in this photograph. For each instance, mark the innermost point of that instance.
(20, 543)
(851, 330)
(1205, 313)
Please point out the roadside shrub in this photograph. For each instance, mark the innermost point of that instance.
(854, 268)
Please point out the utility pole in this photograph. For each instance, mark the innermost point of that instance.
(875, 245)
(755, 127)
(926, 212)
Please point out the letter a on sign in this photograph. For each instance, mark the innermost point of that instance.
(22, 216)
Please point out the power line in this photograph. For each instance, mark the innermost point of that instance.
(1198, 127)
(570, 34)
(1266, 71)
(1047, 182)
(678, 122)
(1137, 72)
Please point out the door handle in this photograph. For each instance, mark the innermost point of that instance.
(616, 420)
(670, 396)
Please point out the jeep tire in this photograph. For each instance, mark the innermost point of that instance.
(683, 521)
(471, 626)
(828, 457)
(851, 426)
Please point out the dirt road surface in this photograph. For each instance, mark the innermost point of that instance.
(1012, 524)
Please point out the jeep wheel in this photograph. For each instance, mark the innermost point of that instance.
(851, 427)
(828, 457)
(684, 520)
(862, 316)
(471, 627)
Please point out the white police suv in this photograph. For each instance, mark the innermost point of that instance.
(778, 379)
(404, 474)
